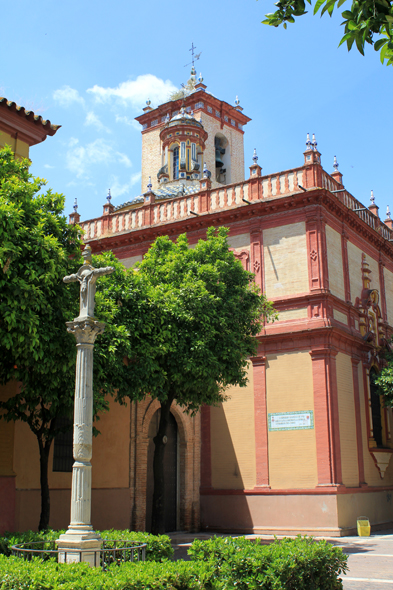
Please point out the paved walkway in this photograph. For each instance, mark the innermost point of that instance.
(370, 559)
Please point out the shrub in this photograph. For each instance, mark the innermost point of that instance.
(158, 548)
(17, 574)
(290, 564)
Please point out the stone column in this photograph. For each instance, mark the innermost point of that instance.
(81, 542)
(80, 534)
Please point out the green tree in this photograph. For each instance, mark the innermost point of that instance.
(37, 249)
(367, 21)
(191, 316)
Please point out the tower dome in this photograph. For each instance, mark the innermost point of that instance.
(183, 143)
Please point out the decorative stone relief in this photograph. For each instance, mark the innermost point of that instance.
(370, 323)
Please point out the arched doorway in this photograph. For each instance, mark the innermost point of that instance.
(171, 473)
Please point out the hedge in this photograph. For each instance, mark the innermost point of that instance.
(158, 547)
(290, 564)
(217, 564)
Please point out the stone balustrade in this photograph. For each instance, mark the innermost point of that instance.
(256, 188)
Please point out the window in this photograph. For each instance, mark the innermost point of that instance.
(62, 452)
(176, 163)
(376, 410)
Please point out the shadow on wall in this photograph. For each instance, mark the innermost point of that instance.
(223, 506)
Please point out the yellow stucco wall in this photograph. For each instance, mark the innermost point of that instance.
(340, 317)
(335, 262)
(347, 421)
(233, 439)
(110, 454)
(388, 276)
(292, 453)
(292, 314)
(285, 259)
(7, 433)
(355, 271)
(22, 148)
(151, 158)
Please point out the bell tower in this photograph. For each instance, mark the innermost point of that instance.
(183, 136)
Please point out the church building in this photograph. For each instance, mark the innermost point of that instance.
(304, 448)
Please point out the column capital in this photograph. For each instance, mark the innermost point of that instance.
(322, 353)
(258, 361)
(86, 330)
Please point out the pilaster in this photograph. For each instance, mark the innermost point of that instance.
(327, 432)
(261, 433)
(355, 378)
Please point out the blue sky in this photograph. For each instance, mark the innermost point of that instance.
(90, 66)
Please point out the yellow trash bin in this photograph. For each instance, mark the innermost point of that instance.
(363, 526)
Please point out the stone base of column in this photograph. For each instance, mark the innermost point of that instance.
(77, 545)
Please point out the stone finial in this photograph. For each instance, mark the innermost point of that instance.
(149, 185)
(372, 198)
(193, 73)
(308, 142)
(335, 164)
(237, 101)
(200, 79)
(148, 102)
(75, 205)
(314, 143)
(388, 212)
(206, 172)
(109, 197)
(255, 157)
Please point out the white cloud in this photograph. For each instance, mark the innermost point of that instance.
(92, 119)
(118, 189)
(80, 158)
(136, 92)
(66, 96)
(123, 159)
(129, 122)
(73, 141)
(48, 166)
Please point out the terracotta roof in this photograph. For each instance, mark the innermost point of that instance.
(12, 107)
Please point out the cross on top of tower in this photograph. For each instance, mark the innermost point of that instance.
(194, 57)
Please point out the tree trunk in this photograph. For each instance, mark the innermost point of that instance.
(45, 498)
(158, 511)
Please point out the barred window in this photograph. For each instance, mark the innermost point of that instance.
(218, 114)
(62, 452)
(199, 105)
(154, 123)
(209, 109)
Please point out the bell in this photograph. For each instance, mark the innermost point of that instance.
(219, 162)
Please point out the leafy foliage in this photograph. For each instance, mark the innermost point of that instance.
(37, 249)
(384, 381)
(293, 564)
(158, 548)
(368, 21)
(199, 321)
(218, 564)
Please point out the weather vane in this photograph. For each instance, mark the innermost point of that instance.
(194, 57)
